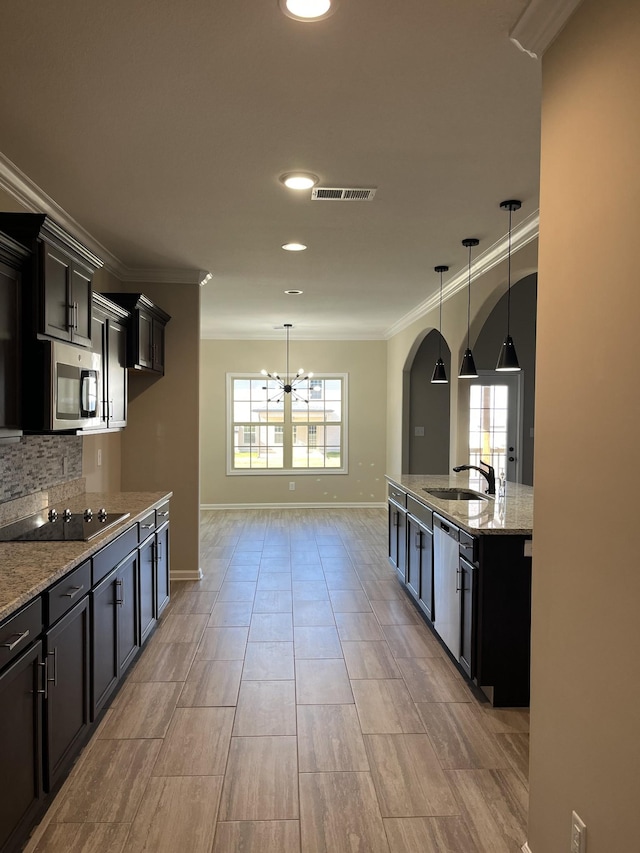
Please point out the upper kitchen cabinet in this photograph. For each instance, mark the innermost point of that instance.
(110, 323)
(58, 275)
(12, 258)
(146, 332)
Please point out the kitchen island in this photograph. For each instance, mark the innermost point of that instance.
(467, 565)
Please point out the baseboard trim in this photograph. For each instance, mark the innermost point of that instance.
(525, 847)
(186, 575)
(352, 505)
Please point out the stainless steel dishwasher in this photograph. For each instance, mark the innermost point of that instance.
(446, 594)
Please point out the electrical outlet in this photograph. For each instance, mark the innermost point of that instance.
(578, 834)
(99, 457)
(292, 486)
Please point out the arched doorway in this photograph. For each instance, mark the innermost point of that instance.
(427, 409)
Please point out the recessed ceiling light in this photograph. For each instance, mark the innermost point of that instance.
(294, 247)
(293, 292)
(299, 180)
(308, 10)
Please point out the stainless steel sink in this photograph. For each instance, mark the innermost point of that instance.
(455, 494)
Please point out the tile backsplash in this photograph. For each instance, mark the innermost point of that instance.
(38, 462)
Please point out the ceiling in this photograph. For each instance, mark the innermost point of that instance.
(163, 127)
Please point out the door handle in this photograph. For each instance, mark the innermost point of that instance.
(120, 600)
(512, 459)
(45, 680)
(54, 655)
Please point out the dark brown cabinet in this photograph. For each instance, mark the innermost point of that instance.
(398, 531)
(12, 257)
(162, 564)
(109, 337)
(147, 583)
(22, 687)
(114, 629)
(58, 276)
(146, 332)
(420, 555)
(67, 698)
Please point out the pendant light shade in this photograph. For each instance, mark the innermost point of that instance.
(507, 358)
(439, 373)
(468, 366)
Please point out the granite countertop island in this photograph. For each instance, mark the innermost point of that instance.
(28, 568)
(511, 515)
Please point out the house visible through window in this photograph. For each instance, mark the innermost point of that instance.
(273, 431)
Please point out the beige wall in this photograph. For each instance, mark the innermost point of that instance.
(160, 443)
(485, 293)
(585, 745)
(365, 363)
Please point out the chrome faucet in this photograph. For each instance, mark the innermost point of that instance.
(490, 475)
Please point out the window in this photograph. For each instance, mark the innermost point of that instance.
(272, 431)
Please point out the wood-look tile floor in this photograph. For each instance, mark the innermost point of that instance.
(294, 701)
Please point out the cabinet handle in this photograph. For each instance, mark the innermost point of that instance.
(120, 600)
(70, 310)
(419, 540)
(164, 514)
(20, 638)
(159, 550)
(75, 316)
(459, 588)
(45, 681)
(147, 526)
(54, 655)
(74, 591)
(396, 516)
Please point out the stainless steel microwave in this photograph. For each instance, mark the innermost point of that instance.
(62, 391)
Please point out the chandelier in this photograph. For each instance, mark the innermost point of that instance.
(288, 384)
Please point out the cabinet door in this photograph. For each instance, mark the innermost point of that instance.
(9, 347)
(67, 703)
(145, 340)
(158, 346)
(393, 535)
(414, 555)
(426, 574)
(116, 371)
(401, 568)
(147, 587)
(81, 304)
(104, 642)
(162, 568)
(467, 616)
(56, 292)
(99, 345)
(127, 601)
(20, 744)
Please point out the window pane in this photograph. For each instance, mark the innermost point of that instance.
(332, 457)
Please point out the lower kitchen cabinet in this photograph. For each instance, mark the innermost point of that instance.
(147, 585)
(162, 567)
(420, 555)
(22, 686)
(467, 582)
(114, 629)
(398, 533)
(67, 697)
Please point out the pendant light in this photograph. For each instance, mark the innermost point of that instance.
(507, 359)
(468, 366)
(289, 384)
(439, 373)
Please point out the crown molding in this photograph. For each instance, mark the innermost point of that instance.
(526, 848)
(522, 234)
(540, 23)
(18, 185)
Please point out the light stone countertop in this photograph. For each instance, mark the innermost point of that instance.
(512, 515)
(28, 568)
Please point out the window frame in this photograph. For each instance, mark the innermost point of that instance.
(261, 472)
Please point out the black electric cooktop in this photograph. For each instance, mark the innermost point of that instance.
(64, 527)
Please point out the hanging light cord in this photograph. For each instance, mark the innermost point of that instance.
(509, 275)
(469, 301)
(440, 337)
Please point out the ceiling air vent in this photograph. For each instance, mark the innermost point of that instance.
(342, 194)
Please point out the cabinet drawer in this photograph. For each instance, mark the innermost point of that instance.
(468, 546)
(67, 592)
(396, 494)
(147, 525)
(420, 511)
(20, 630)
(162, 513)
(114, 553)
